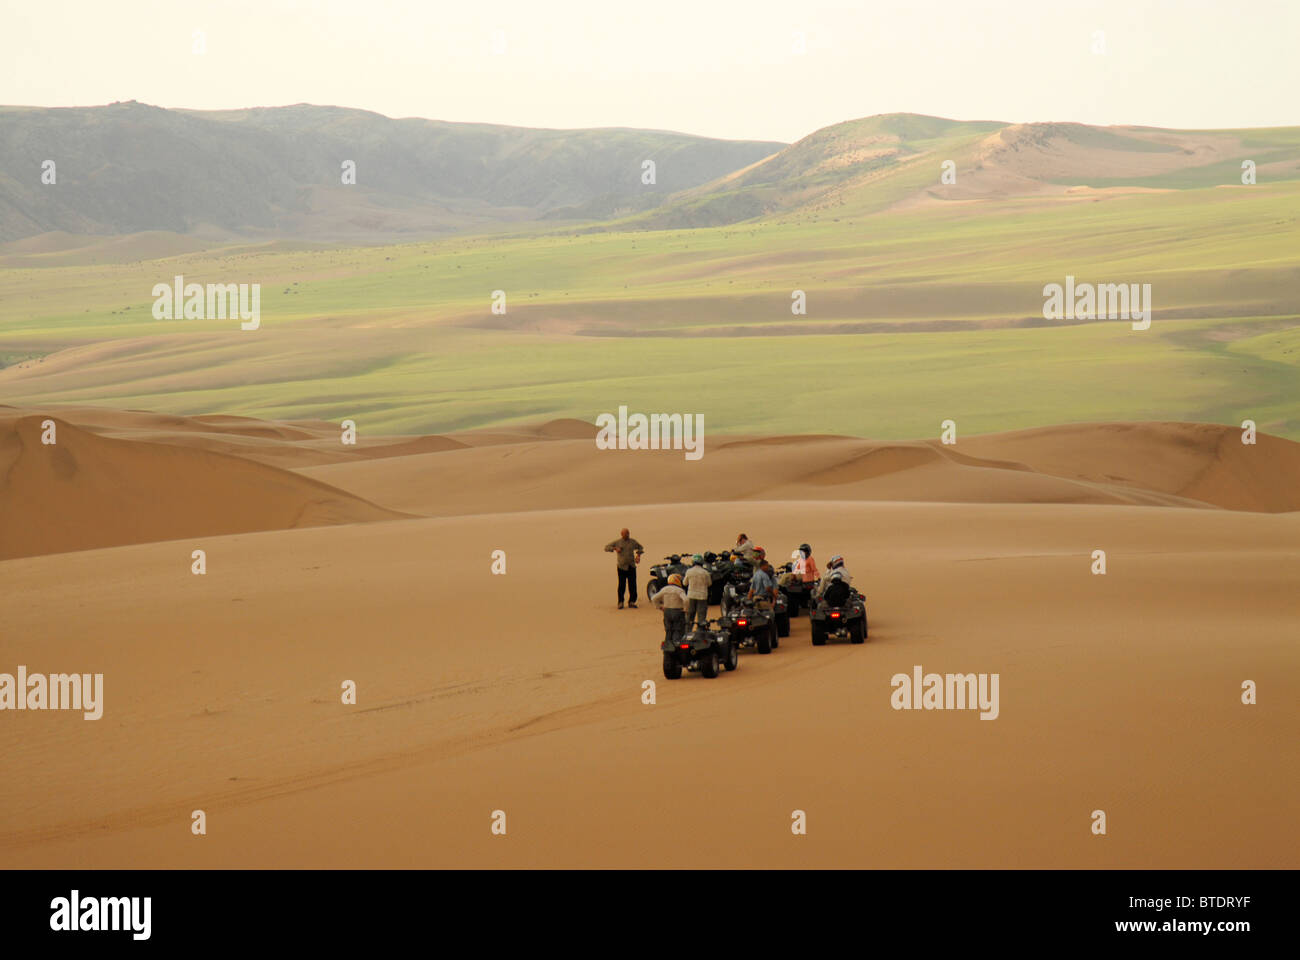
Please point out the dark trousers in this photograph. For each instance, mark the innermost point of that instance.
(697, 610)
(627, 577)
(674, 625)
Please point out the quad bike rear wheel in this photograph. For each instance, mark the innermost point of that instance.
(764, 640)
(858, 631)
(783, 624)
(733, 657)
(819, 633)
(672, 669)
(709, 665)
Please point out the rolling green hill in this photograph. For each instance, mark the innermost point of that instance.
(924, 301)
(130, 167)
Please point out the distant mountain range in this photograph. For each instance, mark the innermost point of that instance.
(130, 167)
(277, 172)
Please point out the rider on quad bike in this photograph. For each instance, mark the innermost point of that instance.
(764, 596)
(748, 616)
(834, 565)
(801, 581)
(841, 611)
(745, 547)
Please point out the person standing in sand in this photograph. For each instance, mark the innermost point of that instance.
(697, 581)
(672, 601)
(627, 554)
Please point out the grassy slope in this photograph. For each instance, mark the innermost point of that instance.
(402, 337)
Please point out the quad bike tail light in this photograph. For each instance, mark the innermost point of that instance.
(742, 623)
(835, 614)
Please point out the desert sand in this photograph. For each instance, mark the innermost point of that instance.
(522, 692)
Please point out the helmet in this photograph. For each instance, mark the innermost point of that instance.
(698, 558)
(675, 579)
(675, 558)
(835, 561)
(760, 552)
(807, 550)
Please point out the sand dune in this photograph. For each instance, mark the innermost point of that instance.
(121, 477)
(87, 491)
(522, 692)
(296, 443)
(1152, 464)
(1198, 461)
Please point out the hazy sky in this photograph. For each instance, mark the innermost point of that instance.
(725, 69)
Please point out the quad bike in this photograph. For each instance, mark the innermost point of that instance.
(841, 613)
(751, 626)
(717, 565)
(781, 613)
(704, 649)
(736, 587)
(734, 596)
(720, 569)
(661, 571)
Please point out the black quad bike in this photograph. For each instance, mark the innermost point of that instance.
(735, 587)
(704, 649)
(720, 569)
(735, 596)
(751, 627)
(841, 613)
(661, 571)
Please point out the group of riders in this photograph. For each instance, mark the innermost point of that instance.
(684, 599)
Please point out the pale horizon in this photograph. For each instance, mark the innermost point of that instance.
(677, 66)
(623, 126)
